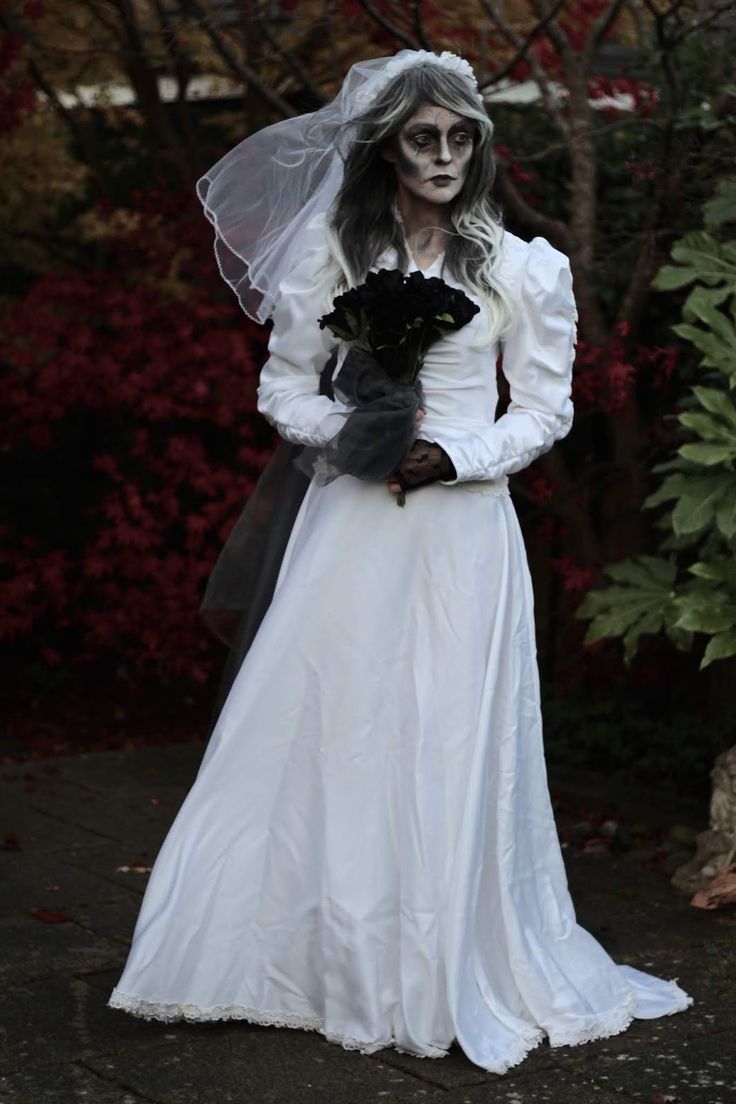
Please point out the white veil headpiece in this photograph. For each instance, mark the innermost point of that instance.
(261, 195)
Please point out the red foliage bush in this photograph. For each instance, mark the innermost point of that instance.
(132, 442)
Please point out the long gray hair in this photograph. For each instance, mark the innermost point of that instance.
(362, 223)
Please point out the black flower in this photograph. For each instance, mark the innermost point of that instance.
(346, 320)
(398, 317)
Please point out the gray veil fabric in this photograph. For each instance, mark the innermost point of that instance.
(241, 585)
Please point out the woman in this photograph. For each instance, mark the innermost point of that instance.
(369, 848)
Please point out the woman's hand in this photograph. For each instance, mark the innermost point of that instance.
(391, 482)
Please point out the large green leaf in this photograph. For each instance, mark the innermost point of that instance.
(721, 569)
(707, 425)
(672, 487)
(698, 257)
(697, 505)
(722, 208)
(702, 301)
(701, 304)
(706, 611)
(695, 245)
(726, 511)
(716, 402)
(717, 353)
(641, 600)
(672, 277)
(708, 454)
(720, 646)
(644, 572)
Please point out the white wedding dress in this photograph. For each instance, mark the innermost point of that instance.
(369, 849)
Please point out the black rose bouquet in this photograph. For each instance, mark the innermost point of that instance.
(391, 321)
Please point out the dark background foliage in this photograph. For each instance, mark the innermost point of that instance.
(129, 374)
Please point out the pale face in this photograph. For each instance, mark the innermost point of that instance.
(431, 154)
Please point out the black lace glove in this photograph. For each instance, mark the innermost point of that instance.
(424, 463)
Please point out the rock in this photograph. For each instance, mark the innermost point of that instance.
(581, 831)
(623, 840)
(646, 853)
(596, 846)
(717, 846)
(609, 828)
(683, 834)
(672, 862)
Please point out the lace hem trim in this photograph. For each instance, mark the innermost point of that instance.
(170, 1013)
(527, 1042)
(613, 1023)
(601, 1027)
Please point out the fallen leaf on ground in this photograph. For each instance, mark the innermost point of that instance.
(50, 917)
(721, 891)
(135, 868)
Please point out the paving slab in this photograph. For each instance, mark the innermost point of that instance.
(546, 1087)
(267, 1066)
(71, 1083)
(456, 1072)
(79, 819)
(43, 1024)
(48, 880)
(32, 948)
(35, 833)
(133, 770)
(60, 1019)
(144, 815)
(692, 1071)
(113, 920)
(108, 862)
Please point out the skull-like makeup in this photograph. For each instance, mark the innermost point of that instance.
(431, 154)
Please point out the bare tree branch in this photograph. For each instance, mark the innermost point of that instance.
(370, 9)
(522, 44)
(109, 24)
(619, 124)
(290, 58)
(691, 26)
(240, 68)
(80, 133)
(419, 31)
(144, 80)
(636, 12)
(553, 30)
(532, 217)
(181, 66)
(600, 28)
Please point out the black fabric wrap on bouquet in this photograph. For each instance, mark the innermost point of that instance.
(378, 433)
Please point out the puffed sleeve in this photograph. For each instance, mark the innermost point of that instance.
(288, 389)
(538, 355)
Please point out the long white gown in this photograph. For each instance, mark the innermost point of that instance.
(369, 848)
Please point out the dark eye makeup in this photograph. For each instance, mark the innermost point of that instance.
(423, 138)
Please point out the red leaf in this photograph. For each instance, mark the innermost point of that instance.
(49, 917)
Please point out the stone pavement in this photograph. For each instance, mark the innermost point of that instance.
(74, 831)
